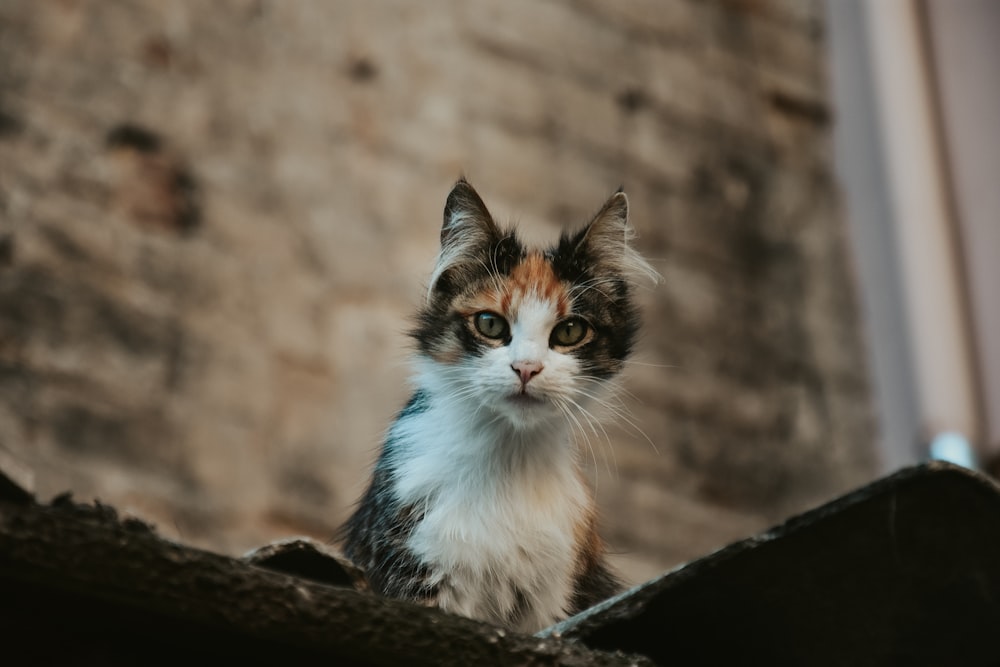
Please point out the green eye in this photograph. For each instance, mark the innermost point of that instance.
(491, 325)
(569, 332)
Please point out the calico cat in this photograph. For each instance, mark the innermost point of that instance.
(477, 504)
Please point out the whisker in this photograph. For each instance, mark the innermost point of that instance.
(575, 424)
(620, 412)
(593, 284)
(595, 423)
(635, 362)
(492, 271)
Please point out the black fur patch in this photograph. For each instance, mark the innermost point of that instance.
(606, 303)
(417, 404)
(596, 584)
(375, 540)
(376, 534)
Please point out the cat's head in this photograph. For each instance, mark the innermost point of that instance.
(528, 334)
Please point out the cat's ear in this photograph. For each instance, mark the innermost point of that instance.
(606, 240)
(467, 230)
(466, 219)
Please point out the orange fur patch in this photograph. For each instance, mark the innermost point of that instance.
(534, 276)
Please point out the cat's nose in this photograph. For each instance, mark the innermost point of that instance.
(526, 370)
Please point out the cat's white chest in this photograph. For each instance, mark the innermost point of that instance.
(502, 557)
(498, 532)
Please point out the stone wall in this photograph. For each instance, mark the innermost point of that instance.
(215, 220)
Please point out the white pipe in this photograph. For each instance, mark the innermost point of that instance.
(928, 259)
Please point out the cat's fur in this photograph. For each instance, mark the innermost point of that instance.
(477, 504)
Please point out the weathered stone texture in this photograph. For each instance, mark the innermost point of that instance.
(215, 219)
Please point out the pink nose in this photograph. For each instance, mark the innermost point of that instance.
(526, 370)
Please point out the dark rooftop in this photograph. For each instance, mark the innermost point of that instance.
(903, 571)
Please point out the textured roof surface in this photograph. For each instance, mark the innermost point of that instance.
(903, 571)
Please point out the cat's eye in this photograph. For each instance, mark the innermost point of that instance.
(569, 332)
(491, 325)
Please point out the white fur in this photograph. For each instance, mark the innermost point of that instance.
(497, 480)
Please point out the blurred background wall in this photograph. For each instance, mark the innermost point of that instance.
(216, 219)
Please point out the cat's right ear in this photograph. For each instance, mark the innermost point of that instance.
(466, 219)
(468, 228)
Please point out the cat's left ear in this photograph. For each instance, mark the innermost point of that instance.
(606, 240)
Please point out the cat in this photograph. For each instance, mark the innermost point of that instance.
(477, 503)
